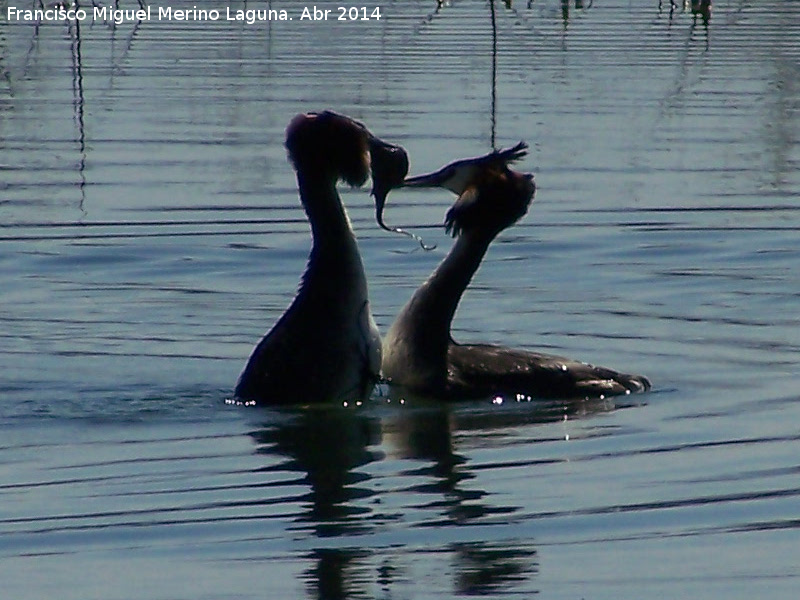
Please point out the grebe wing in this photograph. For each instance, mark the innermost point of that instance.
(273, 374)
(468, 198)
(485, 369)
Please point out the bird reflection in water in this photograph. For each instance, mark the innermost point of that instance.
(339, 573)
(427, 435)
(483, 568)
(329, 448)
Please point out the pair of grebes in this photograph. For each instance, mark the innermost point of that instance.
(326, 346)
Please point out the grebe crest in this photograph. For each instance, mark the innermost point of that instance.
(329, 143)
(492, 201)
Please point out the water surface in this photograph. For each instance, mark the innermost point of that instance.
(150, 233)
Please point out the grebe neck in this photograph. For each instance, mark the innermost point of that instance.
(417, 342)
(438, 298)
(323, 206)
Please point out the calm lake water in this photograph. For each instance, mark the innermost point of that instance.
(150, 232)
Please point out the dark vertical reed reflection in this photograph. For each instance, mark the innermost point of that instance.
(700, 9)
(78, 105)
(4, 72)
(118, 60)
(440, 4)
(565, 9)
(494, 74)
(672, 7)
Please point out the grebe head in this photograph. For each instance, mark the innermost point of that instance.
(491, 196)
(389, 168)
(492, 201)
(329, 143)
(345, 149)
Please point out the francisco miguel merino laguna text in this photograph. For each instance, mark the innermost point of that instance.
(120, 16)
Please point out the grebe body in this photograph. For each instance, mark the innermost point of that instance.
(326, 346)
(419, 353)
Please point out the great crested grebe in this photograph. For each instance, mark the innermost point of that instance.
(326, 346)
(419, 353)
